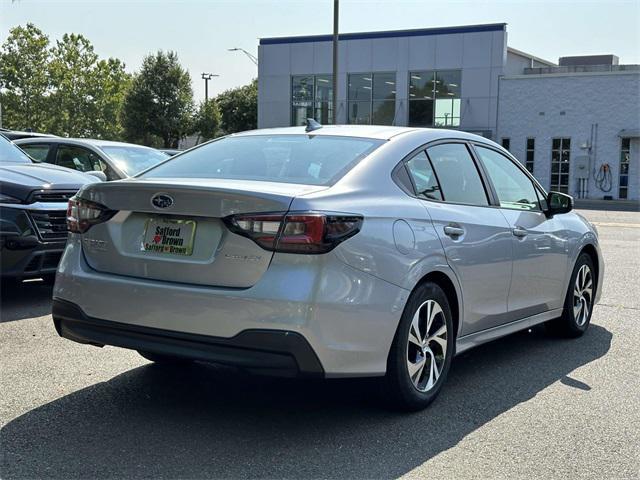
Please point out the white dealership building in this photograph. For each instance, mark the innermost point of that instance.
(575, 124)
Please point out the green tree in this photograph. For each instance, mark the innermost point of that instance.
(239, 108)
(72, 63)
(208, 119)
(159, 102)
(109, 85)
(24, 78)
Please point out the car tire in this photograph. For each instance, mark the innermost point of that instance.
(162, 359)
(419, 360)
(575, 320)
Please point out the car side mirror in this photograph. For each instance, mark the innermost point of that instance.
(558, 203)
(98, 174)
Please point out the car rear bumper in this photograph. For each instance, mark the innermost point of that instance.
(348, 317)
(273, 352)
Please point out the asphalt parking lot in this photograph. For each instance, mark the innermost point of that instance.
(527, 406)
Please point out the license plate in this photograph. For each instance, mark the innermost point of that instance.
(169, 236)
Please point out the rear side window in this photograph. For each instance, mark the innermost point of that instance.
(514, 189)
(37, 151)
(457, 174)
(303, 159)
(424, 177)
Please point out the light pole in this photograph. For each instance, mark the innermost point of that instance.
(252, 57)
(206, 77)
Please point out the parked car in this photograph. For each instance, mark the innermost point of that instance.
(33, 206)
(116, 160)
(17, 134)
(339, 251)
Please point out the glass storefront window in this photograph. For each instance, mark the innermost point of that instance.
(311, 97)
(434, 98)
(372, 98)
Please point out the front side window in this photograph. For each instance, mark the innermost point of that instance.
(560, 158)
(424, 178)
(457, 174)
(302, 159)
(37, 151)
(371, 98)
(625, 154)
(311, 97)
(514, 189)
(434, 98)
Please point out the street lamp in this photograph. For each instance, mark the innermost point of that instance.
(206, 77)
(252, 57)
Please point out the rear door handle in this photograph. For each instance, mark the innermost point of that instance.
(453, 231)
(520, 232)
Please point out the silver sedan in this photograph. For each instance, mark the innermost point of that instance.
(336, 251)
(116, 160)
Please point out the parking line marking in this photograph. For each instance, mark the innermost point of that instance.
(619, 225)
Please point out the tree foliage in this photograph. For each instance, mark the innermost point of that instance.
(239, 108)
(24, 78)
(208, 120)
(65, 89)
(159, 102)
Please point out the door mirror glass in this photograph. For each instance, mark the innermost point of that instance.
(558, 203)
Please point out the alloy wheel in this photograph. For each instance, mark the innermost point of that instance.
(427, 345)
(582, 295)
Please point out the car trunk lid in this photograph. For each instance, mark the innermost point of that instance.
(182, 238)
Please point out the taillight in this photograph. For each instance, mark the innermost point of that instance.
(297, 232)
(82, 214)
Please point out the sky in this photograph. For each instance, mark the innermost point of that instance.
(201, 32)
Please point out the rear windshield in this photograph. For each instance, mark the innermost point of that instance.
(304, 159)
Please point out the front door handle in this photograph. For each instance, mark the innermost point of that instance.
(453, 231)
(520, 232)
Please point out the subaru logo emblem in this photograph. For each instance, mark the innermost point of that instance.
(161, 200)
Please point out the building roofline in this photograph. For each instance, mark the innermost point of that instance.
(532, 57)
(569, 74)
(419, 32)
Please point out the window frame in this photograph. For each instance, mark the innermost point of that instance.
(484, 179)
(433, 98)
(372, 100)
(620, 164)
(533, 154)
(314, 102)
(560, 175)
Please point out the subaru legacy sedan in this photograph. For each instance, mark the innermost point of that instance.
(335, 251)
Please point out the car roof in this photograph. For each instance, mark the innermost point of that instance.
(380, 132)
(78, 141)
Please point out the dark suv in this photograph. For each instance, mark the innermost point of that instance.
(33, 205)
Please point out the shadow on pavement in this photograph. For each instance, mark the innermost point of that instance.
(203, 422)
(25, 300)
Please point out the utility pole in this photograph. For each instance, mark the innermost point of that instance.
(206, 77)
(334, 100)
